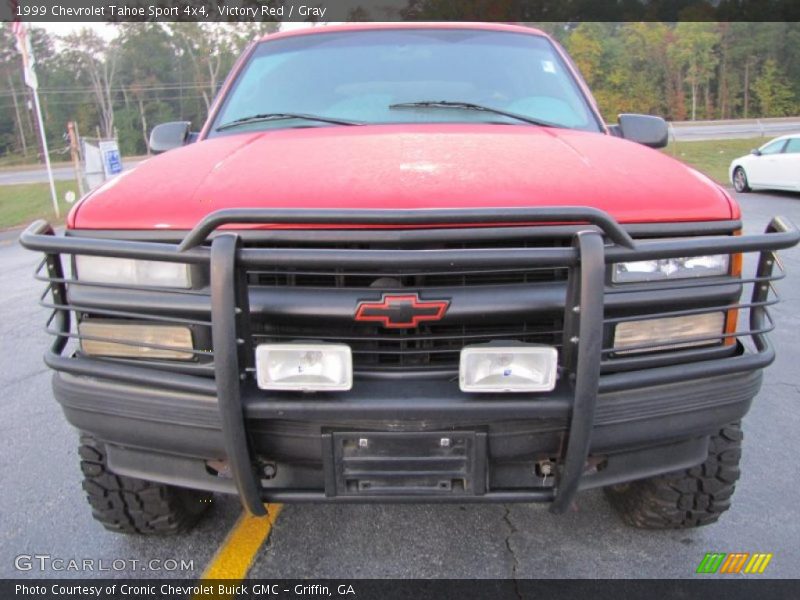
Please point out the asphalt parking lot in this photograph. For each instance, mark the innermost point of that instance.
(43, 510)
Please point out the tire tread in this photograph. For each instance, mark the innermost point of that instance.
(689, 498)
(129, 505)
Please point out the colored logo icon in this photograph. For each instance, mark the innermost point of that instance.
(736, 562)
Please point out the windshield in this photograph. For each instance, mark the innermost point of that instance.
(362, 75)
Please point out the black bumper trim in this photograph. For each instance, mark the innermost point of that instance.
(125, 373)
(617, 468)
(175, 470)
(116, 412)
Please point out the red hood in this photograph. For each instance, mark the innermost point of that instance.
(404, 167)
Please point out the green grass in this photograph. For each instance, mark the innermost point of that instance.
(712, 157)
(21, 204)
(16, 160)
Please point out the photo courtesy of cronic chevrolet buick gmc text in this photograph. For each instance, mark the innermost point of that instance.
(408, 263)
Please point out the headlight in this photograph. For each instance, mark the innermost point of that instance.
(669, 333)
(671, 268)
(127, 271)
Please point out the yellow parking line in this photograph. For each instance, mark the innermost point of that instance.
(235, 556)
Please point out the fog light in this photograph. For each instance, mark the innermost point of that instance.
(107, 337)
(305, 367)
(517, 368)
(668, 333)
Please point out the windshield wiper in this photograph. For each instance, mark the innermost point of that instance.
(280, 116)
(473, 106)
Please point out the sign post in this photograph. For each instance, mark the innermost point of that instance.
(112, 163)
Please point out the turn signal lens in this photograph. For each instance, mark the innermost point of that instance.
(107, 337)
(669, 333)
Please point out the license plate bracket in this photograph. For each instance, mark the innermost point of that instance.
(418, 463)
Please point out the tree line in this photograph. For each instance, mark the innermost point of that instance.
(154, 72)
(689, 70)
(148, 73)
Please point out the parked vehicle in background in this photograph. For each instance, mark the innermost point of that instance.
(773, 166)
(407, 262)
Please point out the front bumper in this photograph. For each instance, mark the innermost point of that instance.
(597, 429)
(169, 436)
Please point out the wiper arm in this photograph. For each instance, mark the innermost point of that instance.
(280, 116)
(473, 106)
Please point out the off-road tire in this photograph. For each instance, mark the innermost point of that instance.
(129, 505)
(689, 498)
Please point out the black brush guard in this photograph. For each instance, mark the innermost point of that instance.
(599, 242)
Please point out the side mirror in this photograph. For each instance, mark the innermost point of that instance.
(644, 129)
(169, 135)
(755, 152)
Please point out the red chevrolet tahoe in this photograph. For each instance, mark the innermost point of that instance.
(408, 262)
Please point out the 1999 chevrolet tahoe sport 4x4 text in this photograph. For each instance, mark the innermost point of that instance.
(407, 262)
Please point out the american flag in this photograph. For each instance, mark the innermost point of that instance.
(20, 31)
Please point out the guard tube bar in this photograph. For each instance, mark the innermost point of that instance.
(588, 214)
(582, 324)
(583, 330)
(780, 234)
(226, 310)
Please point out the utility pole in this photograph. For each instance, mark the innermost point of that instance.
(72, 129)
(21, 131)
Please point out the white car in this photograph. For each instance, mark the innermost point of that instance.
(775, 165)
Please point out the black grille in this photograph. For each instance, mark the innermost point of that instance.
(430, 346)
(394, 281)
(390, 279)
(426, 347)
